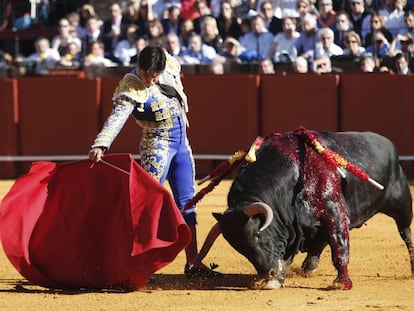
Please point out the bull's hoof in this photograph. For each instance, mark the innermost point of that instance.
(267, 284)
(341, 283)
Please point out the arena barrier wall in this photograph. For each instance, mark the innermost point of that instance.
(292, 100)
(57, 116)
(8, 125)
(52, 116)
(380, 103)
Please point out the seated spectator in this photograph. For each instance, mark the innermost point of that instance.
(73, 56)
(266, 66)
(87, 11)
(96, 57)
(303, 7)
(198, 52)
(127, 48)
(342, 26)
(173, 45)
(187, 30)
(155, 32)
(93, 33)
(273, 24)
(377, 23)
(172, 22)
(227, 22)
(327, 15)
(401, 64)
(217, 65)
(305, 44)
(210, 33)
(44, 54)
(393, 12)
(5, 59)
(300, 65)
(161, 8)
(232, 50)
(258, 41)
(61, 41)
(368, 63)
(380, 46)
(75, 29)
(409, 23)
(113, 28)
(283, 46)
(402, 43)
(141, 43)
(323, 64)
(354, 48)
(359, 16)
(326, 45)
(131, 12)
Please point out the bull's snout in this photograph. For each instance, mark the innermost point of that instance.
(274, 279)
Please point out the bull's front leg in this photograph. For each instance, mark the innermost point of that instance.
(338, 230)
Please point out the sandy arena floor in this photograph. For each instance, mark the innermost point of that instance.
(379, 268)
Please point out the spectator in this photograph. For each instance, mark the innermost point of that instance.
(131, 13)
(227, 23)
(300, 65)
(73, 56)
(377, 23)
(323, 64)
(273, 24)
(303, 7)
(393, 12)
(144, 15)
(61, 41)
(342, 26)
(217, 65)
(160, 8)
(305, 44)
(96, 57)
(327, 15)
(155, 32)
(187, 30)
(232, 50)
(5, 59)
(198, 52)
(258, 41)
(354, 48)
(326, 45)
(113, 28)
(266, 66)
(380, 46)
(127, 48)
(203, 10)
(87, 11)
(210, 33)
(75, 28)
(172, 23)
(409, 23)
(401, 64)
(44, 53)
(402, 43)
(368, 63)
(141, 43)
(173, 46)
(283, 47)
(189, 9)
(359, 17)
(93, 34)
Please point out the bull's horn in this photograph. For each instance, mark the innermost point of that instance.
(260, 208)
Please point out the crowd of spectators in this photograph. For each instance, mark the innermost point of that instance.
(309, 35)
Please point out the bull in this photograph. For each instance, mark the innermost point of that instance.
(291, 199)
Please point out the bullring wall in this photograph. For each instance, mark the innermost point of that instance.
(61, 115)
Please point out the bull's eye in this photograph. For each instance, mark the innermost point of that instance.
(258, 235)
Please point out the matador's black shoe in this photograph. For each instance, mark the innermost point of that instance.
(202, 272)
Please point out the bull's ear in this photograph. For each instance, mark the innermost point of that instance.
(218, 216)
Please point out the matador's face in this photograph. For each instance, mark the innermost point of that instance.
(149, 77)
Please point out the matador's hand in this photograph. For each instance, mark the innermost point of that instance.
(96, 154)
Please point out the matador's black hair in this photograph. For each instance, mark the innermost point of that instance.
(152, 58)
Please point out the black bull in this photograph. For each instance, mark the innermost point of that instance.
(292, 199)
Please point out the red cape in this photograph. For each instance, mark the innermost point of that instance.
(73, 226)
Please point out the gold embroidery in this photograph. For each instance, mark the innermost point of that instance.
(131, 86)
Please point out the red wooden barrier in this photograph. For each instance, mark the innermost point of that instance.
(58, 116)
(223, 112)
(8, 126)
(380, 103)
(298, 99)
